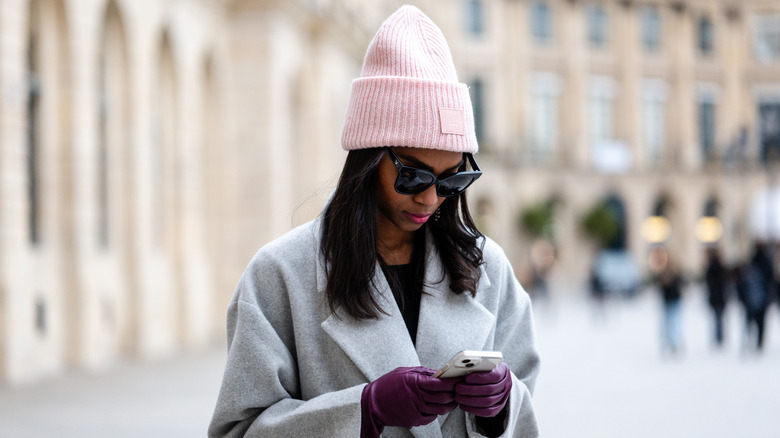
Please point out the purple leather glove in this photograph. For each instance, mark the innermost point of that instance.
(405, 397)
(485, 393)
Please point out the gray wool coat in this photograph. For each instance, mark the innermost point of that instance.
(296, 370)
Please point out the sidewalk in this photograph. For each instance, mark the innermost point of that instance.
(602, 377)
(171, 398)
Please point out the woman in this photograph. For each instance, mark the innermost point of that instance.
(716, 278)
(670, 285)
(337, 327)
(755, 285)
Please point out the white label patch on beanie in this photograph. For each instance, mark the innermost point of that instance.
(452, 121)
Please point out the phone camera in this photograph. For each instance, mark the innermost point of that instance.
(465, 361)
(469, 365)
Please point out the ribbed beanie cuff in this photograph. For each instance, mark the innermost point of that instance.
(408, 93)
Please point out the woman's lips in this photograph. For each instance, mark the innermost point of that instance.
(418, 218)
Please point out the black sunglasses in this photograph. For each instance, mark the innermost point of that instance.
(412, 180)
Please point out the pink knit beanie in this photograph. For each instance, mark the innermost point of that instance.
(408, 92)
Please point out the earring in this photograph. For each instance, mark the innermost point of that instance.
(436, 215)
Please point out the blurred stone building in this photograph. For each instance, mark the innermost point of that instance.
(665, 112)
(149, 147)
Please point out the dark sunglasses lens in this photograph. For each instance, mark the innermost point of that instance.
(412, 181)
(455, 184)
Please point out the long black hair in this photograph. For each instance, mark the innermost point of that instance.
(349, 239)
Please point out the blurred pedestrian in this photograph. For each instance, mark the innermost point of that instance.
(715, 279)
(755, 287)
(542, 261)
(598, 295)
(776, 270)
(670, 285)
(596, 287)
(762, 259)
(334, 327)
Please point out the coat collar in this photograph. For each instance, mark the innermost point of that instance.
(448, 323)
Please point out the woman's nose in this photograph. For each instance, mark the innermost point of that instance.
(427, 196)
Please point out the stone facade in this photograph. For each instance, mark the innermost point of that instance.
(146, 153)
(603, 93)
(610, 91)
(149, 147)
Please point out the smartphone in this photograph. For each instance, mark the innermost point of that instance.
(469, 361)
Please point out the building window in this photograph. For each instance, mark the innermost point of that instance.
(478, 106)
(112, 146)
(706, 36)
(769, 131)
(607, 154)
(34, 91)
(102, 153)
(41, 317)
(601, 97)
(164, 121)
(767, 37)
(706, 113)
(707, 129)
(654, 95)
(541, 23)
(597, 26)
(711, 207)
(651, 28)
(617, 210)
(662, 206)
(474, 19)
(544, 125)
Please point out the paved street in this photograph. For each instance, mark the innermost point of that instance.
(603, 376)
(172, 398)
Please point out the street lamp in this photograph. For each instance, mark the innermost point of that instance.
(709, 229)
(656, 229)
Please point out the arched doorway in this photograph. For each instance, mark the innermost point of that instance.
(617, 210)
(49, 185)
(166, 188)
(113, 183)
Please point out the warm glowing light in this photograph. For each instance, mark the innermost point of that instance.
(656, 229)
(709, 229)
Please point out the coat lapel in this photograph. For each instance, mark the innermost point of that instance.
(376, 346)
(447, 323)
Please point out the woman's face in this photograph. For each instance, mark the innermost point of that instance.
(403, 214)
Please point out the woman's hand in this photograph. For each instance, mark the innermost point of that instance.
(405, 397)
(485, 393)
